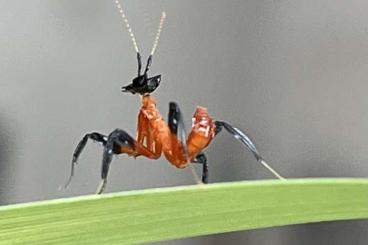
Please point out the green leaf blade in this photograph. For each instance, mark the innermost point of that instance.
(169, 213)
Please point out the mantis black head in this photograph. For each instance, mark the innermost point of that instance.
(142, 84)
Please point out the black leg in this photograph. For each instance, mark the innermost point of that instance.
(242, 137)
(202, 159)
(176, 125)
(115, 141)
(78, 150)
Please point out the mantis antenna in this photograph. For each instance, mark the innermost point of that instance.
(121, 11)
(155, 43)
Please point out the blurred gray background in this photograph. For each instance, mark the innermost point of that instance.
(293, 74)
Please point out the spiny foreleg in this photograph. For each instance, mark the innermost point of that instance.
(190, 147)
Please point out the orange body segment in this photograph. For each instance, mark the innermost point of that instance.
(203, 131)
(154, 136)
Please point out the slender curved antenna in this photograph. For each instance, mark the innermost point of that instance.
(121, 11)
(163, 16)
(155, 43)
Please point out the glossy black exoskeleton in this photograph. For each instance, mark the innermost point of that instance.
(142, 84)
